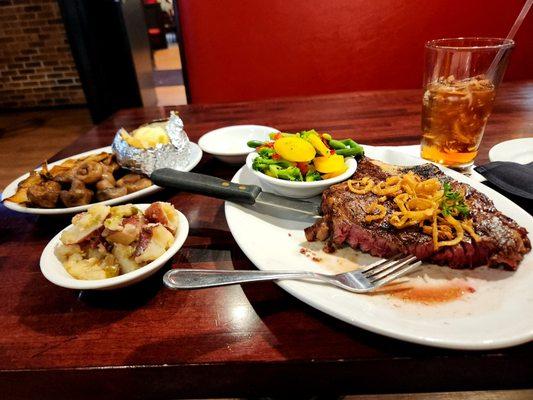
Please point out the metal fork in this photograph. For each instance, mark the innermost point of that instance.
(359, 281)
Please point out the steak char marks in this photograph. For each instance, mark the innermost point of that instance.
(503, 242)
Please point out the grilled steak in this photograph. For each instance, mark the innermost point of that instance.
(503, 242)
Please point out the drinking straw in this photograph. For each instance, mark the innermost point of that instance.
(492, 69)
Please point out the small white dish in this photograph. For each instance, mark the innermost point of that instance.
(228, 144)
(10, 190)
(54, 271)
(517, 150)
(298, 190)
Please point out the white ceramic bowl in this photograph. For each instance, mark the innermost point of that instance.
(54, 271)
(228, 144)
(298, 190)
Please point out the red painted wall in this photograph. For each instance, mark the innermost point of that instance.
(242, 50)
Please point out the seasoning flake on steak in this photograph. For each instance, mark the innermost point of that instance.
(503, 243)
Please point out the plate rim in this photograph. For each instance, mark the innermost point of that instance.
(11, 187)
(458, 344)
(493, 156)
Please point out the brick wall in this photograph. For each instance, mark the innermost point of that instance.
(36, 65)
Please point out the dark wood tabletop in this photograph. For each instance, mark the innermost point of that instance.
(149, 342)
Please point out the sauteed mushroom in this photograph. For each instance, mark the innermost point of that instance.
(64, 177)
(109, 164)
(142, 183)
(111, 167)
(88, 172)
(134, 182)
(45, 194)
(111, 193)
(107, 182)
(78, 194)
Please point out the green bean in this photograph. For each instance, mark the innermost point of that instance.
(350, 143)
(254, 143)
(352, 152)
(337, 144)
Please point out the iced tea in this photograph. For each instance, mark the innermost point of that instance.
(454, 115)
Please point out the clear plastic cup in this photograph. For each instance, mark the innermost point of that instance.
(459, 96)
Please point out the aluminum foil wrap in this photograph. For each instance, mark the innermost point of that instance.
(174, 155)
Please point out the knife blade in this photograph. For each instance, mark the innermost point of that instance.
(284, 207)
(251, 196)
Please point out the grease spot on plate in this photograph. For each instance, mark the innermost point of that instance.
(433, 294)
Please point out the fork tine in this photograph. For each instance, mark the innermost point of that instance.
(385, 269)
(377, 264)
(395, 275)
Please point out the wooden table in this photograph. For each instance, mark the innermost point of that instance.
(149, 342)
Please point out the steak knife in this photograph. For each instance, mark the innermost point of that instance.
(250, 196)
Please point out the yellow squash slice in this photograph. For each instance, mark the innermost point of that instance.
(293, 148)
(329, 164)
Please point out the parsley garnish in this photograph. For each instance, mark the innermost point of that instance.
(453, 202)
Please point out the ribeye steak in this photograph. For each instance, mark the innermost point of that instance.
(503, 243)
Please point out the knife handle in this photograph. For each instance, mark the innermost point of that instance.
(206, 185)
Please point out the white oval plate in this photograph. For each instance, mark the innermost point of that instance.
(54, 271)
(196, 156)
(229, 143)
(517, 150)
(497, 315)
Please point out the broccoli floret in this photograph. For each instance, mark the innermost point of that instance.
(266, 152)
(312, 176)
(272, 170)
(290, 174)
(260, 163)
(263, 162)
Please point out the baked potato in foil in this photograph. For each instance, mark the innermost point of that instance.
(158, 144)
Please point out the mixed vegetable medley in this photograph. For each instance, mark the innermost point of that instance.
(305, 156)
